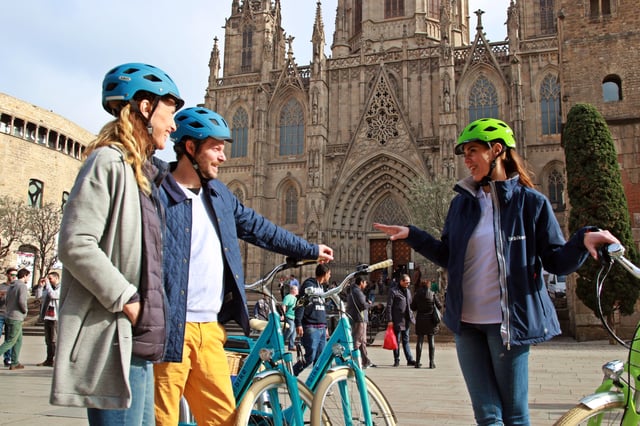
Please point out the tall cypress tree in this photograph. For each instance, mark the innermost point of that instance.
(597, 198)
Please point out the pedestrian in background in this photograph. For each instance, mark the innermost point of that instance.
(49, 316)
(496, 301)
(112, 312)
(358, 311)
(16, 300)
(400, 315)
(289, 307)
(11, 274)
(311, 317)
(424, 302)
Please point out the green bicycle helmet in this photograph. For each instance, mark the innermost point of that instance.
(486, 130)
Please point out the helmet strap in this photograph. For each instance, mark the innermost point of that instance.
(193, 161)
(154, 105)
(135, 106)
(485, 180)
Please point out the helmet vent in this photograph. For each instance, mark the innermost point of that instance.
(196, 125)
(130, 70)
(152, 78)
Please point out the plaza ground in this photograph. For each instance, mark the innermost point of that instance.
(561, 371)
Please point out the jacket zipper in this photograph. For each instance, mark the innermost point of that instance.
(505, 329)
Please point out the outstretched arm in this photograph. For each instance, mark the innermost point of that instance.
(395, 232)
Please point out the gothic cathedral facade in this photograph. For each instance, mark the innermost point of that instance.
(327, 149)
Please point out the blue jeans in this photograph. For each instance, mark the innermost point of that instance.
(403, 342)
(313, 341)
(4, 330)
(290, 333)
(140, 413)
(497, 378)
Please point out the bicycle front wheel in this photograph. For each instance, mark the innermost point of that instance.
(267, 402)
(609, 413)
(337, 401)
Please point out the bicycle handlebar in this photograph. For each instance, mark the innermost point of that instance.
(360, 269)
(615, 251)
(289, 263)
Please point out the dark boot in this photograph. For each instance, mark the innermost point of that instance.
(432, 352)
(418, 352)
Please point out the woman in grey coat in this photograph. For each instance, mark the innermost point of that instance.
(111, 318)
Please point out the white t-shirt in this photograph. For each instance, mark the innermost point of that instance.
(481, 278)
(206, 268)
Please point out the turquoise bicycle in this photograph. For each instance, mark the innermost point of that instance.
(617, 400)
(343, 394)
(266, 391)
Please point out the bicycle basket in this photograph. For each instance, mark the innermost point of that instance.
(235, 361)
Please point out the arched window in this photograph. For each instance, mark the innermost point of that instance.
(550, 105)
(291, 206)
(36, 189)
(65, 197)
(239, 131)
(357, 17)
(612, 88)
(393, 8)
(291, 129)
(247, 49)
(483, 100)
(5, 123)
(547, 23)
(556, 190)
(434, 9)
(599, 8)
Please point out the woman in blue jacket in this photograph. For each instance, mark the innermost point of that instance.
(499, 234)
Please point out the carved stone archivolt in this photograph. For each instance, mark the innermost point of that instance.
(374, 180)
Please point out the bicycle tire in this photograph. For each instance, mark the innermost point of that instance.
(328, 404)
(611, 413)
(255, 408)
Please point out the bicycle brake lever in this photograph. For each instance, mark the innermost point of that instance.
(603, 255)
(362, 267)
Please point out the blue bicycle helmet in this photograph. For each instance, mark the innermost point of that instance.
(124, 81)
(200, 123)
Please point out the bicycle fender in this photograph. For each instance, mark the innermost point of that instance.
(598, 399)
(264, 374)
(338, 367)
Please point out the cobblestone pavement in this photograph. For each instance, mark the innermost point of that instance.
(561, 372)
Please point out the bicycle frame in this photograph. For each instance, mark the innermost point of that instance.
(621, 381)
(270, 351)
(339, 349)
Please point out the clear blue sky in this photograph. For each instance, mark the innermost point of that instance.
(57, 52)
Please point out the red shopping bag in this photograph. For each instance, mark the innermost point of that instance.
(390, 340)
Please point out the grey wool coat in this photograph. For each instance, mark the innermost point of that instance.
(100, 247)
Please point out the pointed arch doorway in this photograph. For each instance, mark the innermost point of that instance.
(381, 249)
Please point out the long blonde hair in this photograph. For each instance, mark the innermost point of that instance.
(129, 133)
